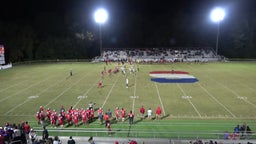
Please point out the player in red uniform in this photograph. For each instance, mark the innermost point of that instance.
(105, 117)
(123, 114)
(102, 74)
(142, 112)
(53, 119)
(117, 113)
(108, 126)
(100, 84)
(158, 113)
(84, 117)
(48, 113)
(68, 118)
(75, 119)
(109, 72)
(38, 117)
(100, 115)
(60, 120)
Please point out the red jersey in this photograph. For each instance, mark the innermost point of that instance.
(26, 128)
(48, 113)
(100, 112)
(158, 111)
(68, 117)
(142, 110)
(123, 113)
(84, 117)
(38, 116)
(60, 119)
(105, 117)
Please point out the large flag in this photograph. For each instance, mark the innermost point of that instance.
(172, 77)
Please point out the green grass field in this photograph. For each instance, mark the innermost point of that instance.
(224, 96)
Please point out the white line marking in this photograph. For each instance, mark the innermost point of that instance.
(190, 101)
(234, 93)
(109, 92)
(11, 86)
(134, 94)
(159, 97)
(23, 89)
(17, 106)
(35, 95)
(213, 96)
(216, 100)
(65, 91)
(85, 93)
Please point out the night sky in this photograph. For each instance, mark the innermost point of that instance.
(133, 23)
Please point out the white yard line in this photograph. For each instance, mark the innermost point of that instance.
(159, 97)
(11, 86)
(189, 101)
(64, 91)
(110, 92)
(134, 94)
(250, 103)
(85, 93)
(232, 91)
(23, 89)
(216, 100)
(19, 105)
(213, 96)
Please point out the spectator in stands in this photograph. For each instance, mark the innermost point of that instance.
(33, 135)
(56, 140)
(27, 128)
(45, 133)
(236, 129)
(91, 141)
(16, 133)
(71, 140)
(248, 132)
(226, 135)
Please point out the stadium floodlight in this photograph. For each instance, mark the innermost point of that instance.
(217, 15)
(100, 17)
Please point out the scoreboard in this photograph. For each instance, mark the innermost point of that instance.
(2, 59)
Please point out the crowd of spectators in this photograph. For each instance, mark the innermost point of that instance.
(240, 132)
(19, 133)
(159, 55)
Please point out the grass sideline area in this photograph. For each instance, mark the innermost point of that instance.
(223, 97)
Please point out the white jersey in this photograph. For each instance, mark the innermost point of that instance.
(149, 112)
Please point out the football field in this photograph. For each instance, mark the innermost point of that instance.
(223, 96)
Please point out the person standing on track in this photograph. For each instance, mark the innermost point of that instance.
(127, 82)
(131, 117)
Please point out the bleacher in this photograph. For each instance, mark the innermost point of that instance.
(159, 55)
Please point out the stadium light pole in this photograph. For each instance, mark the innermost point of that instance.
(217, 15)
(100, 17)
